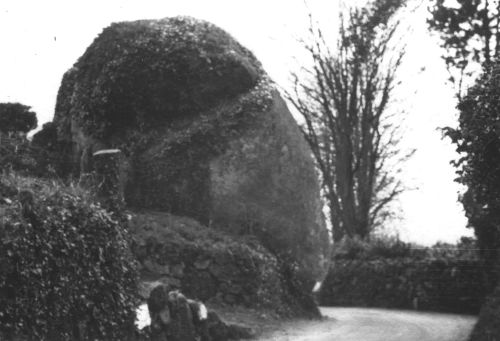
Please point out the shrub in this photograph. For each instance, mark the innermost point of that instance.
(386, 272)
(487, 327)
(66, 272)
(49, 153)
(456, 286)
(380, 247)
(16, 118)
(15, 154)
(477, 139)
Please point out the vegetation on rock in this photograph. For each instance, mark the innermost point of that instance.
(204, 134)
(143, 74)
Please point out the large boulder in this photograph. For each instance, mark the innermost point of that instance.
(204, 134)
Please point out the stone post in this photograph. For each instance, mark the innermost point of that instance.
(107, 178)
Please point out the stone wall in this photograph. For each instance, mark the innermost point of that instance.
(456, 286)
(204, 264)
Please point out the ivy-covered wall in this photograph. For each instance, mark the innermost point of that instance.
(443, 285)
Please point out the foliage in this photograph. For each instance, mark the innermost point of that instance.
(388, 247)
(143, 74)
(343, 100)
(66, 271)
(382, 247)
(470, 32)
(445, 285)
(477, 139)
(15, 154)
(488, 328)
(43, 156)
(16, 118)
(215, 265)
(51, 155)
(15, 121)
(389, 273)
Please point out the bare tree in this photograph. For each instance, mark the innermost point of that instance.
(343, 97)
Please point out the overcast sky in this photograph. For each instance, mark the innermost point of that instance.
(40, 40)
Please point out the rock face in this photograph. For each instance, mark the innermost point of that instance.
(204, 135)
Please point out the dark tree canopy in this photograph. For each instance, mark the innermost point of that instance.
(16, 117)
(343, 98)
(470, 34)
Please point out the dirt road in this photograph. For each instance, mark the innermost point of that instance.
(357, 324)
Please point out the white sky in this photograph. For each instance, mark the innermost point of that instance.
(40, 40)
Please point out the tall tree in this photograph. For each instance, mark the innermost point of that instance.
(343, 97)
(470, 36)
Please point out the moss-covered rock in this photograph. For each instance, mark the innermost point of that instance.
(147, 73)
(204, 134)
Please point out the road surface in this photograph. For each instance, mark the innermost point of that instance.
(359, 324)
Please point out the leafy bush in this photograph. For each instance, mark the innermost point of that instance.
(386, 272)
(15, 154)
(433, 284)
(386, 247)
(477, 139)
(50, 153)
(380, 247)
(16, 117)
(66, 272)
(487, 327)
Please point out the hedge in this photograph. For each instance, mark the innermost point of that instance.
(66, 272)
(444, 285)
